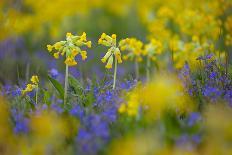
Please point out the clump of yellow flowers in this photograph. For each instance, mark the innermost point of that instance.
(165, 91)
(151, 51)
(34, 85)
(31, 86)
(70, 48)
(113, 54)
(134, 48)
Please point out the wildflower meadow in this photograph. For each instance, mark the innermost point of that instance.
(116, 77)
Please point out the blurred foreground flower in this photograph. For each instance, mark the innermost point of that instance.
(165, 92)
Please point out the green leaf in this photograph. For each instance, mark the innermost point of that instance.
(75, 85)
(46, 97)
(58, 86)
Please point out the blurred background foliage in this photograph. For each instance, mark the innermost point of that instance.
(26, 27)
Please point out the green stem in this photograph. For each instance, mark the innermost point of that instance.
(148, 68)
(66, 84)
(36, 96)
(136, 70)
(115, 72)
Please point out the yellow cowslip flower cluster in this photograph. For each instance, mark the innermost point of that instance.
(228, 27)
(164, 92)
(153, 49)
(31, 86)
(113, 51)
(194, 17)
(189, 51)
(70, 48)
(133, 46)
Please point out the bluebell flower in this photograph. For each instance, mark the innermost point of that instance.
(54, 73)
(196, 138)
(213, 75)
(212, 92)
(21, 123)
(16, 92)
(21, 126)
(193, 118)
(56, 107)
(77, 111)
(110, 114)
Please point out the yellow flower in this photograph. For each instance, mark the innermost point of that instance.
(70, 48)
(153, 49)
(68, 35)
(114, 36)
(56, 55)
(31, 86)
(113, 53)
(49, 47)
(110, 62)
(83, 37)
(35, 79)
(70, 61)
(58, 45)
(74, 52)
(84, 55)
(89, 43)
(133, 47)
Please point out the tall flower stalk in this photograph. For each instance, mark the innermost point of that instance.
(69, 48)
(112, 55)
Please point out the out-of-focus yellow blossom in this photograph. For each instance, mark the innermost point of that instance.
(164, 92)
(189, 51)
(70, 48)
(146, 143)
(8, 142)
(131, 106)
(228, 24)
(31, 86)
(49, 131)
(228, 40)
(221, 142)
(153, 49)
(113, 51)
(133, 46)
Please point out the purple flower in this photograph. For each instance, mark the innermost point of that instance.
(193, 118)
(16, 92)
(57, 108)
(213, 75)
(54, 73)
(110, 114)
(77, 111)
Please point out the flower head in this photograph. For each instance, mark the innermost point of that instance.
(110, 41)
(70, 48)
(31, 86)
(134, 48)
(153, 49)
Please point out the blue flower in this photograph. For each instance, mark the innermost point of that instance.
(193, 118)
(110, 114)
(16, 92)
(54, 73)
(213, 75)
(77, 111)
(21, 126)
